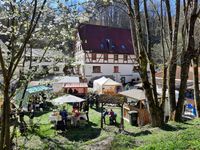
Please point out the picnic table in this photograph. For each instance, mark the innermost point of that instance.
(55, 118)
(74, 120)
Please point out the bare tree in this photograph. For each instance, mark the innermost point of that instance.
(173, 34)
(143, 55)
(195, 65)
(191, 13)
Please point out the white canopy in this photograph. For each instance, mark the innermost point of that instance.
(58, 86)
(110, 82)
(67, 99)
(103, 83)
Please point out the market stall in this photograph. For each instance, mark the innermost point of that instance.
(58, 86)
(136, 101)
(78, 89)
(32, 93)
(75, 116)
(106, 86)
(67, 99)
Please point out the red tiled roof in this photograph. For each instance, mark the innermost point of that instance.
(178, 73)
(95, 39)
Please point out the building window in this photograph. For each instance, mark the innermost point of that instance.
(105, 57)
(115, 57)
(116, 69)
(113, 46)
(55, 68)
(96, 69)
(125, 57)
(94, 56)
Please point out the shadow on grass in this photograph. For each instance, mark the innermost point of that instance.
(168, 127)
(92, 124)
(38, 113)
(49, 143)
(82, 133)
(141, 133)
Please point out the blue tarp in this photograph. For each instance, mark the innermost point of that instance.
(36, 89)
(29, 91)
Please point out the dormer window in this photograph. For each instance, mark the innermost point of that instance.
(108, 44)
(101, 46)
(113, 46)
(123, 46)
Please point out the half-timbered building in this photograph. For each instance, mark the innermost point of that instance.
(102, 50)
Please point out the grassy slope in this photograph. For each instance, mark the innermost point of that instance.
(172, 136)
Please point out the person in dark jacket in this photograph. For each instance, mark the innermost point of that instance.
(104, 116)
(64, 115)
(86, 110)
(31, 117)
(21, 115)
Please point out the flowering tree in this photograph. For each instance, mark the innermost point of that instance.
(29, 23)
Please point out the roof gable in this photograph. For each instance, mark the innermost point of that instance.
(103, 39)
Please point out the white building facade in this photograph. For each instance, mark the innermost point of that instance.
(108, 55)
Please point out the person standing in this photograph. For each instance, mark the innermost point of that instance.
(31, 116)
(64, 115)
(104, 116)
(21, 115)
(86, 110)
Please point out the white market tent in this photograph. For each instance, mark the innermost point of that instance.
(105, 84)
(58, 86)
(67, 99)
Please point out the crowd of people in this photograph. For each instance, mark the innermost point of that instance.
(73, 92)
(37, 102)
(63, 118)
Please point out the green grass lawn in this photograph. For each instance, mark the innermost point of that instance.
(172, 136)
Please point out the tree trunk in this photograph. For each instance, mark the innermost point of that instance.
(102, 115)
(183, 85)
(148, 45)
(171, 74)
(187, 55)
(196, 84)
(5, 132)
(143, 59)
(157, 115)
(122, 119)
(164, 82)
